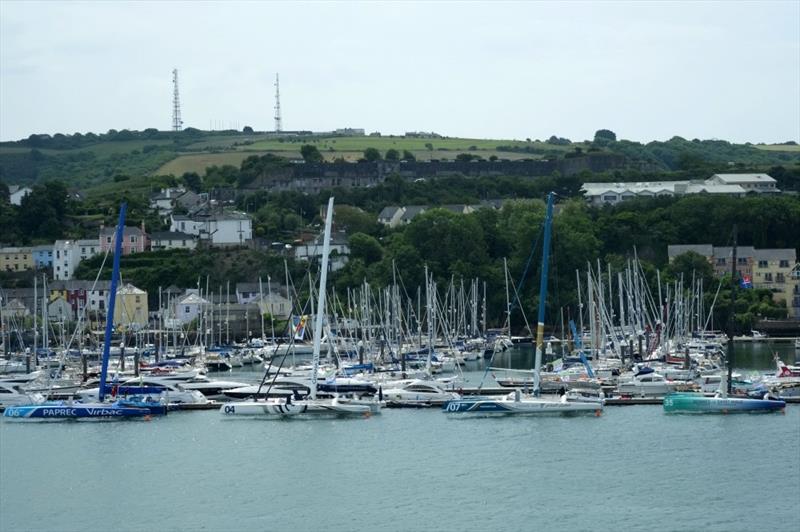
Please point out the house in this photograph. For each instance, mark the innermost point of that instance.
(170, 240)
(82, 294)
(16, 193)
(67, 254)
(339, 250)
(613, 193)
(274, 300)
(794, 302)
(458, 209)
(134, 240)
(167, 199)
(43, 256)
(760, 183)
(14, 259)
(773, 268)
(130, 309)
(390, 215)
(59, 310)
(225, 229)
(189, 307)
(13, 308)
(410, 212)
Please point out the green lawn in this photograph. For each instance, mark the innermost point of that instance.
(198, 162)
(779, 147)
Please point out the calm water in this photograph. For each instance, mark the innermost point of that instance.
(634, 468)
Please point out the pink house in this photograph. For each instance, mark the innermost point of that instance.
(135, 240)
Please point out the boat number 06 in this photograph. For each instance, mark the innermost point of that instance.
(452, 407)
(230, 409)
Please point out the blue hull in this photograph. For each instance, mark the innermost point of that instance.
(63, 410)
(694, 403)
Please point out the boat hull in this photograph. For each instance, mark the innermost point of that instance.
(75, 411)
(525, 406)
(310, 407)
(692, 403)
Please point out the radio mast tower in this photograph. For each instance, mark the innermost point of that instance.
(278, 128)
(177, 123)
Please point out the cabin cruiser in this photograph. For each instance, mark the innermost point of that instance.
(211, 388)
(13, 395)
(646, 383)
(167, 390)
(418, 392)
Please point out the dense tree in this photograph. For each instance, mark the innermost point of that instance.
(365, 248)
(604, 136)
(311, 154)
(392, 155)
(192, 181)
(408, 156)
(372, 154)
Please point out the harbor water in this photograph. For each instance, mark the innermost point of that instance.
(633, 468)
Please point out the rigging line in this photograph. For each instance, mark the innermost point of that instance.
(527, 266)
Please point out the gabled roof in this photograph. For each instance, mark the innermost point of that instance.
(388, 212)
(170, 235)
(706, 250)
(742, 252)
(776, 254)
(411, 211)
(733, 179)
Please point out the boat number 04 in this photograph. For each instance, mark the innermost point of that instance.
(230, 409)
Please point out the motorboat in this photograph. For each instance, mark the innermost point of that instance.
(168, 391)
(417, 392)
(12, 394)
(212, 388)
(519, 403)
(646, 383)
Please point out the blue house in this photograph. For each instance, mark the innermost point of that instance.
(43, 256)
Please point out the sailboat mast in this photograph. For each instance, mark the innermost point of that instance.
(323, 278)
(731, 317)
(548, 223)
(112, 299)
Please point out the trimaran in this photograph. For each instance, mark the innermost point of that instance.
(519, 401)
(311, 405)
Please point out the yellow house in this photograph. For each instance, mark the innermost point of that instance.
(772, 269)
(16, 259)
(130, 310)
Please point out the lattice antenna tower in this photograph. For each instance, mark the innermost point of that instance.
(177, 123)
(278, 127)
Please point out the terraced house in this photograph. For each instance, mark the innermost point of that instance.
(16, 259)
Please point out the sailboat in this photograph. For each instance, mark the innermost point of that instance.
(721, 403)
(100, 409)
(519, 401)
(311, 405)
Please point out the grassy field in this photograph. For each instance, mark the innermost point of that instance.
(101, 149)
(198, 162)
(382, 144)
(779, 147)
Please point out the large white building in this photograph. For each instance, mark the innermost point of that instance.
(67, 254)
(725, 184)
(227, 229)
(340, 250)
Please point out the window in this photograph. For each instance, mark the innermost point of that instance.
(133, 239)
(138, 299)
(186, 310)
(741, 260)
(767, 277)
(763, 263)
(721, 261)
(108, 240)
(83, 250)
(779, 278)
(784, 264)
(609, 197)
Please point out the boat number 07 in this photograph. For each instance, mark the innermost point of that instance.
(452, 407)
(229, 409)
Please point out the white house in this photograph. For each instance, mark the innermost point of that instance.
(189, 308)
(613, 193)
(67, 254)
(227, 229)
(16, 193)
(170, 240)
(340, 249)
(390, 215)
(274, 300)
(761, 183)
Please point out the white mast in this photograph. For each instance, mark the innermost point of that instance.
(323, 278)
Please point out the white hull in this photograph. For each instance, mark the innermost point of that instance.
(519, 404)
(306, 407)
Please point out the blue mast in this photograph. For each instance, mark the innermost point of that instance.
(548, 222)
(112, 298)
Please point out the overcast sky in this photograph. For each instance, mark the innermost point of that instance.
(646, 70)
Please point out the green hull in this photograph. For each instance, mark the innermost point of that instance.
(696, 403)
